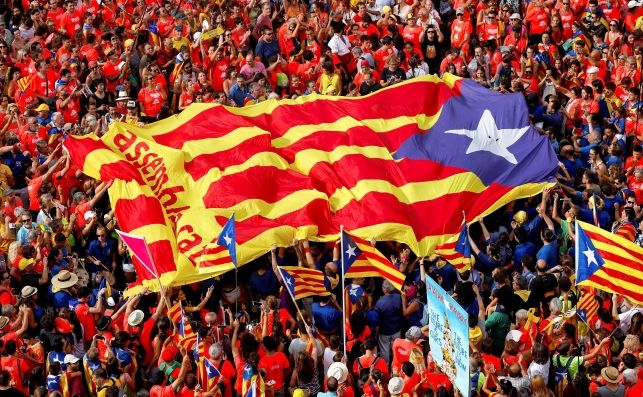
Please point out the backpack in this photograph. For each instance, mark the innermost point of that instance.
(364, 372)
(564, 384)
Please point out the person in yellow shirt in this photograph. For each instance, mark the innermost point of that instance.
(611, 99)
(330, 82)
(6, 177)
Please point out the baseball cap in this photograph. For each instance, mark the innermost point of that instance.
(459, 11)
(131, 105)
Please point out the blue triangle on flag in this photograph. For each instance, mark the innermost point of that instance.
(588, 257)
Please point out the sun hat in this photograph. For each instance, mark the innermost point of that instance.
(25, 263)
(64, 279)
(395, 385)
(610, 374)
(135, 318)
(122, 96)
(338, 371)
(43, 107)
(4, 320)
(28, 291)
(70, 359)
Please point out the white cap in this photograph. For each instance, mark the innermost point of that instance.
(592, 69)
(515, 15)
(128, 267)
(70, 359)
(111, 302)
(89, 215)
(632, 4)
(396, 385)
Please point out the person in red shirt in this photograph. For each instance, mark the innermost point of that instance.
(461, 30)
(85, 313)
(276, 366)
(17, 367)
(537, 20)
(151, 99)
(635, 183)
(113, 71)
(71, 19)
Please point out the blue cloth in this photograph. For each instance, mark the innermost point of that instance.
(101, 252)
(23, 235)
(18, 162)
(522, 250)
(449, 276)
(486, 264)
(572, 166)
(266, 50)
(239, 94)
(389, 307)
(61, 299)
(327, 318)
(264, 285)
(372, 318)
(549, 253)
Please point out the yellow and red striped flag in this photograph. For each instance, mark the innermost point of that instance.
(303, 282)
(587, 306)
(608, 262)
(457, 250)
(187, 337)
(301, 168)
(24, 83)
(361, 259)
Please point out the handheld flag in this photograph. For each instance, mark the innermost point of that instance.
(195, 352)
(141, 251)
(187, 337)
(303, 282)
(587, 306)
(594, 210)
(212, 371)
(252, 390)
(360, 259)
(457, 250)
(108, 288)
(608, 262)
(228, 239)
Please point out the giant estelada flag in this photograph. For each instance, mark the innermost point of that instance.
(400, 164)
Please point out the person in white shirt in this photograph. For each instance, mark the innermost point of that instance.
(339, 44)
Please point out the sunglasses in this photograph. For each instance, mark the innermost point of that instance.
(100, 235)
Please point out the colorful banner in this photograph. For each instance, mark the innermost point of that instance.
(448, 335)
(301, 168)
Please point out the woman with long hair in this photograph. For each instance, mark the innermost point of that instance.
(539, 387)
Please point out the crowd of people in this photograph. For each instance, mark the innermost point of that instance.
(78, 67)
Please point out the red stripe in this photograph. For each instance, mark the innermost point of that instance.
(120, 170)
(619, 275)
(597, 237)
(199, 166)
(226, 260)
(606, 283)
(138, 212)
(82, 147)
(374, 270)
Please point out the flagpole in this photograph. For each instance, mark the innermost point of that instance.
(341, 243)
(158, 279)
(294, 301)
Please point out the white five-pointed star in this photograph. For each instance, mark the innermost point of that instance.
(288, 280)
(591, 258)
(227, 239)
(354, 291)
(351, 251)
(488, 138)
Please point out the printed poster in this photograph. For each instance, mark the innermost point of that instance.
(448, 335)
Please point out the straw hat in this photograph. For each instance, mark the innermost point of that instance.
(28, 291)
(122, 96)
(338, 371)
(610, 374)
(64, 279)
(3, 321)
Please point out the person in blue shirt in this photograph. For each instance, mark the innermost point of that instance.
(60, 285)
(239, 92)
(267, 46)
(263, 282)
(17, 161)
(44, 117)
(549, 251)
(389, 308)
(101, 254)
(524, 247)
(327, 315)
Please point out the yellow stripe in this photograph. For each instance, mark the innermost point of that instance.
(618, 240)
(306, 159)
(410, 193)
(623, 267)
(261, 159)
(342, 124)
(194, 148)
(621, 283)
